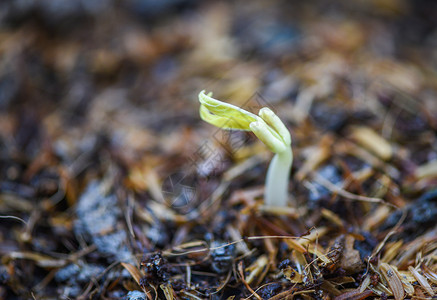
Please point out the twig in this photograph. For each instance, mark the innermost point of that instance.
(241, 273)
(348, 195)
(14, 218)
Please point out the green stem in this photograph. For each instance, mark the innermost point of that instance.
(276, 189)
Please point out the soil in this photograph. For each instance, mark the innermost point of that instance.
(112, 187)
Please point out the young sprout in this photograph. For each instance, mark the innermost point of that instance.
(268, 128)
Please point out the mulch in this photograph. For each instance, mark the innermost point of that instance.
(112, 187)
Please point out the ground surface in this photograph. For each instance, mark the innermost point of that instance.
(112, 187)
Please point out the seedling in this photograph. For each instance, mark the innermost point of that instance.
(268, 128)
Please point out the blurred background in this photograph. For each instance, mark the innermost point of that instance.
(87, 87)
(131, 70)
(65, 64)
(76, 75)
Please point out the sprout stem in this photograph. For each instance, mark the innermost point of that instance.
(276, 189)
(269, 129)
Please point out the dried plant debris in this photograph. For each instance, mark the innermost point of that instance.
(111, 186)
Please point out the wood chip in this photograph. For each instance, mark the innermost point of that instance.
(256, 268)
(365, 283)
(376, 218)
(393, 281)
(430, 274)
(421, 280)
(427, 170)
(372, 141)
(351, 259)
(392, 251)
(315, 156)
(168, 291)
(354, 295)
(134, 272)
(40, 259)
(334, 218)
